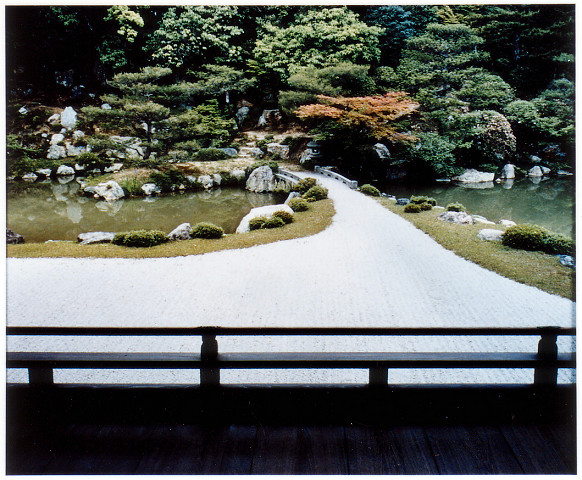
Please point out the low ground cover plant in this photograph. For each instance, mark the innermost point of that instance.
(456, 207)
(206, 230)
(368, 189)
(534, 237)
(140, 238)
(298, 204)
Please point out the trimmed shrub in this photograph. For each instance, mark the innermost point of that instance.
(412, 208)
(210, 155)
(284, 215)
(534, 237)
(273, 222)
(425, 206)
(140, 238)
(456, 207)
(303, 185)
(368, 189)
(92, 162)
(315, 193)
(206, 230)
(257, 223)
(168, 180)
(131, 187)
(298, 204)
(423, 199)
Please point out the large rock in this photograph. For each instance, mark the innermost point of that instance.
(507, 223)
(29, 177)
(133, 147)
(291, 196)
(261, 180)
(481, 219)
(13, 238)
(251, 152)
(238, 173)
(382, 151)
(535, 172)
(69, 118)
(231, 152)
(266, 211)
(56, 152)
(73, 151)
(95, 237)
(57, 138)
(150, 189)
(460, 218)
(108, 191)
(490, 234)
(474, 176)
(54, 119)
(181, 232)
(567, 260)
(65, 170)
(44, 172)
(206, 181)
(269, 118)
(278, 149)
(116, 167)
(508, 172)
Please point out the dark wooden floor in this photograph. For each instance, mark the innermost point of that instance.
(77, 443)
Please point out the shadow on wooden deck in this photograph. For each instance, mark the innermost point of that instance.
(286, 430)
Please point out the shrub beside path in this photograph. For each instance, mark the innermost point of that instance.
(369, 268)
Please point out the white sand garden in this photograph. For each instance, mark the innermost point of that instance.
(369, 268)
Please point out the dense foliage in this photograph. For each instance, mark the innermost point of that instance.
(534, 237)
(442, 87)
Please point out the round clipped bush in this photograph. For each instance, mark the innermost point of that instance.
(210, 154)
(305, 184)
(315, 193)
(257, 223)
(425, 206)
(206, 230)
(284, 215)
(419, 200)
(368, 189)
(273, 222)
(534, 237)
(140, 238)
(412, 208)
(298, 204)
(456, 207)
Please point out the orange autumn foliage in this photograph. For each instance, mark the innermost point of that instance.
(376, 114)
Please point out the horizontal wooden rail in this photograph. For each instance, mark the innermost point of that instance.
(545, 361)
(353, 184)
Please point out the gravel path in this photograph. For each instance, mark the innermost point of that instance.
(369, 268)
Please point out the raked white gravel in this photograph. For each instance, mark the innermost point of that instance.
(369, 268)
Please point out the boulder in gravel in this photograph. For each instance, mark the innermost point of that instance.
(95, 237)
(480, 219)
(181, 232)
(65, 170)
(261, 180)
(460, 218)
(13, 238)
(474, 176)
(291, 196)
(231, 152)
(266, 211)
(402, 201)
(490, 234)
(250, 152)
(567, 260)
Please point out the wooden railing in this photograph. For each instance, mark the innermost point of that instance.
(546, 361)
(353, 184)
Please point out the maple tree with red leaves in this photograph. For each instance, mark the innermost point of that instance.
(372, 115)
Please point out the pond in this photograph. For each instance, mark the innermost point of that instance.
(548, 202)
(55, 211)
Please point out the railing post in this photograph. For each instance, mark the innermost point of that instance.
(208, 355)
(547, 372)
(40, 376)
(378, 376)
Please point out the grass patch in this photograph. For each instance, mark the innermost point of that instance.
(536, 269)
(316, 219)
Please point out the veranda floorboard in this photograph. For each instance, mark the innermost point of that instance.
(471, 450)
(535, 450)
(300, 450)
(228, 450)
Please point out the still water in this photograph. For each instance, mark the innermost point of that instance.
(55, 211)
(548, 202)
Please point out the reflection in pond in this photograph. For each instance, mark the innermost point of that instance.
(56, 211)
(548, 202)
